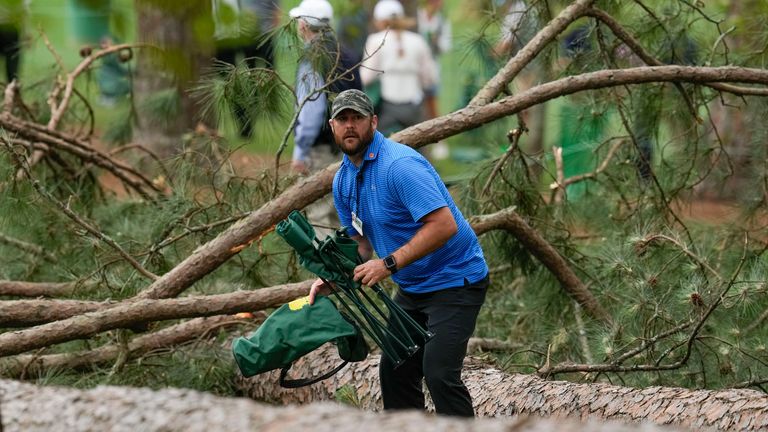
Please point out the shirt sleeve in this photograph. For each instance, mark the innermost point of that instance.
(312, 114)
(415, 183)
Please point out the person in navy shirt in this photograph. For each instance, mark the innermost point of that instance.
(398, 206)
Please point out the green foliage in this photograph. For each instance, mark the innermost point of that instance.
(347, 394)
(251, 97)
(203, 366)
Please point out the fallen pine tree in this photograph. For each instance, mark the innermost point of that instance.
(26, 407)
(496, 394)
(30, 365)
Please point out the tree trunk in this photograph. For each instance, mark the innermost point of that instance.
(181, 35)
(36, 365)
(496, 393)
(133, 312)
(31, 408)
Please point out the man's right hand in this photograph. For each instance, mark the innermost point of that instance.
(318, 287)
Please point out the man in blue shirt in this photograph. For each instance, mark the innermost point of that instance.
(398, 206)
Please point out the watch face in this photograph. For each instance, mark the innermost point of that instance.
(390, 263)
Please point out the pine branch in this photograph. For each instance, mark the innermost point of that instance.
(76, 218)
(701, 263)
(537, 246)
(66, 89)
(28, 247)
(636, 47)
(38, 134)
(590, 175)
(29, 365)
(496, 85)
(513, 137)
(137, 311)
(615, 366)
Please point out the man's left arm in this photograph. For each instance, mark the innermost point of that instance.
(439, 226)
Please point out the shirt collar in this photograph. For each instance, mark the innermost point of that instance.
(371, 153)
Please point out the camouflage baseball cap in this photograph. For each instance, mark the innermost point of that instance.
(352, 99)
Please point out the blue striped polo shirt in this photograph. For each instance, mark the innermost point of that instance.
(390, 192)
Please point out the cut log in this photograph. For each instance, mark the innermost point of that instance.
(30, 408)
(496, 393)
(132, 312)
(35, 365)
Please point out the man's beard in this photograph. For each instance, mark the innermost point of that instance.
(362, 142)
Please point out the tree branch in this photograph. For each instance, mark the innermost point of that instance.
(36, 289)
(137, 311)
(510, 221)
(23, 313)
(77, 219)
(496, 85)
(169, 337)
(27, 247)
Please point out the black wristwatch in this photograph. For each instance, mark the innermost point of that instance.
(390, 264)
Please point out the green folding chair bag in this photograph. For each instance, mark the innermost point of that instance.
(294, 330)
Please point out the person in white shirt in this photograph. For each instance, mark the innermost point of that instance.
(403, 62)
(436, 29)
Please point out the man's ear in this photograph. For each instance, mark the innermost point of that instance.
(374, 121)
(330, 122)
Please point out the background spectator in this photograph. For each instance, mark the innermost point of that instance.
(402, 61)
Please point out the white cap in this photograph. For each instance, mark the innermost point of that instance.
(388, 9)
(315, 12)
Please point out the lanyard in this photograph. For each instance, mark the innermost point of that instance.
(357, 223)
(358, 187)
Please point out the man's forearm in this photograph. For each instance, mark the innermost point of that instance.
(439, 226)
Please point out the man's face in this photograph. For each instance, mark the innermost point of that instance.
(353, 131)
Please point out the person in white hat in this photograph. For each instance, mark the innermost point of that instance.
(402, 60)
(314, 146)
(314, 13)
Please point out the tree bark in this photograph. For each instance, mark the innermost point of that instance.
(133, 312)
(495, 393)
(510, 221)
(35, 365)
(23, 313)
(36, 289)
(30, 408)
